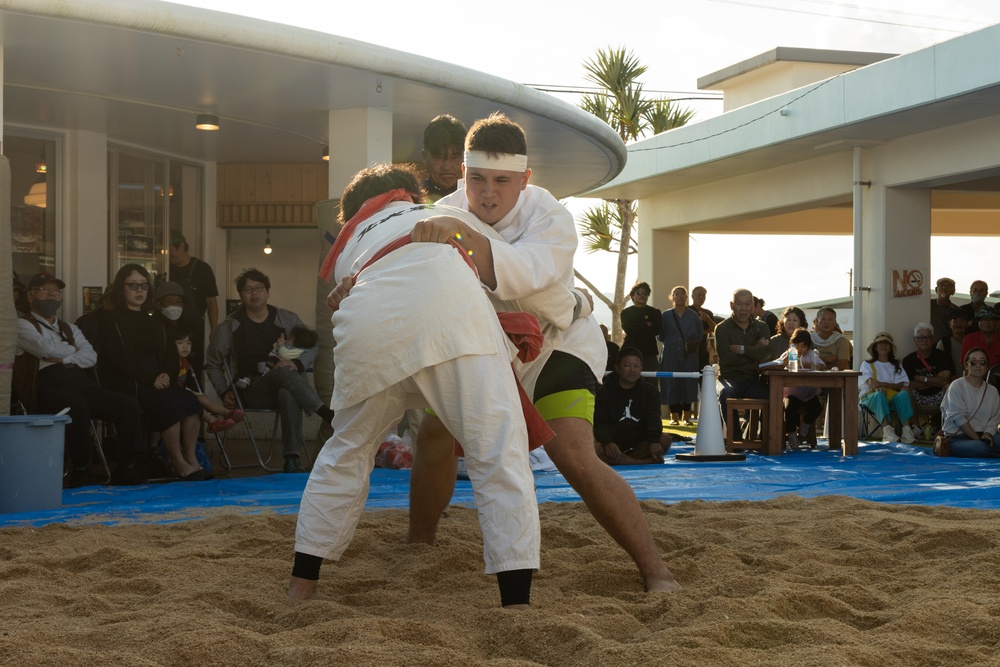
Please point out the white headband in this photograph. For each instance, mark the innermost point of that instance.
(502, 161)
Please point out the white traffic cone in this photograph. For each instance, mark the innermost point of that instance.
(709, 442)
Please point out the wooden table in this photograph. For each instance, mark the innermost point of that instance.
(842, 405)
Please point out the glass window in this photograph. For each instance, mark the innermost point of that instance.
(33, 176)
(147, 191)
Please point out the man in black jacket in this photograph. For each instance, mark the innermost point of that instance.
(627, 425)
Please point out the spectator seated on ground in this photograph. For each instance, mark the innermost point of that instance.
(930, 370)
(970, 411)
(246, 340)
(986, 337)
(627, 425)
(49, 376)
(883, 388)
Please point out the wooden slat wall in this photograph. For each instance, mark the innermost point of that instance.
(270, 195)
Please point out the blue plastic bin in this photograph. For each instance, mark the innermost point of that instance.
(31, 462)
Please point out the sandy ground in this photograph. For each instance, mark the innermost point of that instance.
(826, 581)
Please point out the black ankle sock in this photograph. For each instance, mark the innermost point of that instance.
(325, 412)
(306, 566)
(515, 586)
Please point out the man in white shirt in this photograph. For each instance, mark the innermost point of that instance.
(48, 377)
(536, 251)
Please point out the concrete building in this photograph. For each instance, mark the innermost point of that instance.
(889, 149)
(100, 102)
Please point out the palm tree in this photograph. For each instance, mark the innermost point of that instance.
(621, 104)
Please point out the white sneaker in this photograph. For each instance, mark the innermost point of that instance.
(889, 435)
(908, 436)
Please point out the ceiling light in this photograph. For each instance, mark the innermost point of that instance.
(267, 242)
(40, 166)
(326, 154)
(38, 194)
(207, 121)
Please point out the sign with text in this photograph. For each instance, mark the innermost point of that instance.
(907, 282)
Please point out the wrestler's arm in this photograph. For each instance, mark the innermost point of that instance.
(541, 256)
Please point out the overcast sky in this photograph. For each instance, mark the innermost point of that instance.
(545, 43)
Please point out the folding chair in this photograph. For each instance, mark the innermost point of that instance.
(868, 423)
(993, 376)
(99, 448)
(247, 425)
(17, 407)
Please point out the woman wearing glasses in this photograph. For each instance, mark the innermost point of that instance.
(930, 370)
(970, 411)
(137, 358)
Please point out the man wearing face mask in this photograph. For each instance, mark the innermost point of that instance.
(49, 376)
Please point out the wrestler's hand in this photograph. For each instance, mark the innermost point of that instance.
(285, 363)
(447, 229)
(229, 400)
(612, 452)
(441, 229)
(338, 294)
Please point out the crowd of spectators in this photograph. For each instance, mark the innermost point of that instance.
(135, 362)
(905, 394)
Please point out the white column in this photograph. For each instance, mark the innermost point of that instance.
(85, 242)
(666, 266)
(358, 137)
(896, 263)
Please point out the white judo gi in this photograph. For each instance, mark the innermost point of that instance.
(418, 331)
(536, 253)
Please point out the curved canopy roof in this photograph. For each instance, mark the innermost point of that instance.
(141, 70)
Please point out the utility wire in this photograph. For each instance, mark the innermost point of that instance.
(829, 16)
(741, 125)
(896, 11)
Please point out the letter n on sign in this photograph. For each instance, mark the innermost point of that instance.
(907, 282)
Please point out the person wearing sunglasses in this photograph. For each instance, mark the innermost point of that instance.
(970, 411)
(137, 358)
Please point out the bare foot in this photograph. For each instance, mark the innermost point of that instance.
(303, 589)
(662, 584)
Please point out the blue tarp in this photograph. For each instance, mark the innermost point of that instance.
(889, 473)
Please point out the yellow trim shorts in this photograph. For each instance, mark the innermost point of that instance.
(569, 403)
